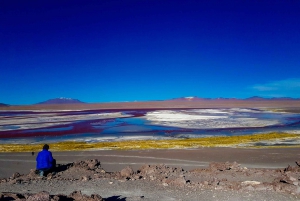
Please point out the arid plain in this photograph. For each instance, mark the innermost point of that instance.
(188, 159)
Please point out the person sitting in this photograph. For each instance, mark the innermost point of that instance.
(45, 161)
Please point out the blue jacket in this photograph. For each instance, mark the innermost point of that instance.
(44, 160)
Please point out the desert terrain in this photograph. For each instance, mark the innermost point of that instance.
(202, 173)
(255, 174)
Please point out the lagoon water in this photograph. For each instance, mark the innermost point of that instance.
(96, 125)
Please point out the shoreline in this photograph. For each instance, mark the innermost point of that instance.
(262, 141)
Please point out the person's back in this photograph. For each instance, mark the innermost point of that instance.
(44, 160)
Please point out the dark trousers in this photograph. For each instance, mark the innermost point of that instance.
(45, 171)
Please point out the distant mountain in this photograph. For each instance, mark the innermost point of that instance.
(258, 98)
(190, 98)
(195, 98)
(61, 101)
(3, 105)
(253, 98)
(225, 98)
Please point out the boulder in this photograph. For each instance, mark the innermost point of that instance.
(78, 196)
(87, 164)
(127, 172)
(41, 196)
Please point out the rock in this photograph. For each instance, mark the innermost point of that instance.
(166, 180)
(85, 178)
(137, 177)
(78, 196)
(33, 174)
(288, 168)
(41, 196)
(87, 164)
(250, 183)
(126, 172)
(179, 181)
(147, 170)
(152, 177)
(223, 166)
(288, 179)
(4, 180)
(11, 196)
(45, 196)
(102, 171)
(16, 175)
(96, 197)
(215, 182)
(93, 164)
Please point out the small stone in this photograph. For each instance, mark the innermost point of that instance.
(292, 178)
(165, 184)
(137, 177)
(250, 182)
(16, 175)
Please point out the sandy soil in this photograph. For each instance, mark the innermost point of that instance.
(114, 160)
(185, 175)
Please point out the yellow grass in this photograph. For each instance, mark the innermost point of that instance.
(224, 141)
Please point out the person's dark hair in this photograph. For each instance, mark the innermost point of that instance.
(46, 147)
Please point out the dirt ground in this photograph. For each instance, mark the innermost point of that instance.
(196, 174)
(188, 159)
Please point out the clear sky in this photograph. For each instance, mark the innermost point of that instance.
(127, 50)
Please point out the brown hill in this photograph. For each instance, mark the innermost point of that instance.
(61, 101)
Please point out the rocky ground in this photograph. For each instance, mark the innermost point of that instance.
(88, 181)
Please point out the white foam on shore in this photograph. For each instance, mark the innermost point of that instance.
(122, 138)
(170, 115)
(30, 121)
(207, 118)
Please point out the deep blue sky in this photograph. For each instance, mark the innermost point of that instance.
(113, 50)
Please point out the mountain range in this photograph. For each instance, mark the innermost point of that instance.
(253, 98)
(61, 100)
(3, 105)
